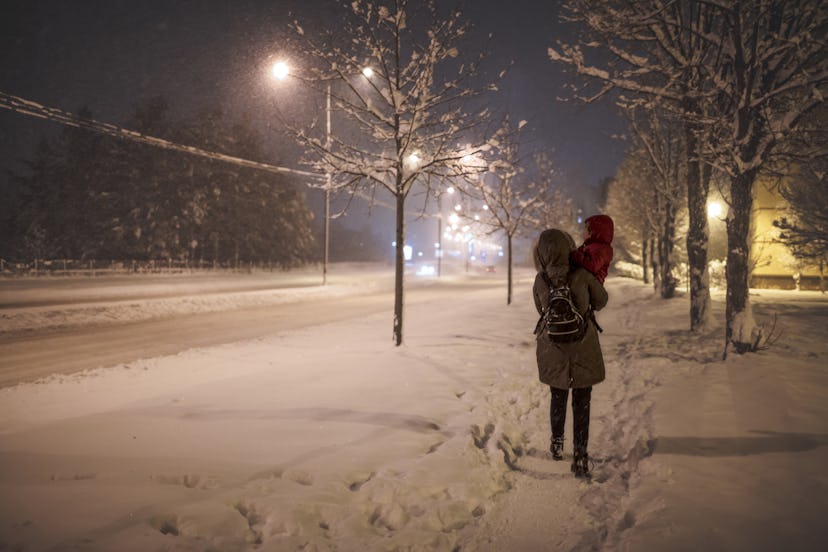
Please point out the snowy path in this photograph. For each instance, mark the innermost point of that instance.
(549, 509)
(691, 453)
(741, 447)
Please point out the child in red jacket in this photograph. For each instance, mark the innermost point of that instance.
(596, 252)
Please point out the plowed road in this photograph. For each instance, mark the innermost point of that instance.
(32, 354)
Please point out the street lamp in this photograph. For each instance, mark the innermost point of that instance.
(439, 244)
(281, 70)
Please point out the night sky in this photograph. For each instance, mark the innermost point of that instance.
(108, 54)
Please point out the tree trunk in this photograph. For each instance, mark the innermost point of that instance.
(399, 268)
(740, 331)
(698, 233)
(665, 252)
(509, 270)
(646, 244)
(655, 245)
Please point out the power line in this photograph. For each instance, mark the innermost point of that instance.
(40, 111)
(35, 109)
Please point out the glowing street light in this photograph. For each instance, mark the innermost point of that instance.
(280, 70)
(413, 160)
(714, 209)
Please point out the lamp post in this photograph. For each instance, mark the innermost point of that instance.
(327, 185)
(449, 190)
(281, 70)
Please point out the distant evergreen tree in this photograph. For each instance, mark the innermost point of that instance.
(56, 203)
(240, 214)
(91, 196)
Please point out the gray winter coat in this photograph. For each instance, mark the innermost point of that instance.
(581, 363)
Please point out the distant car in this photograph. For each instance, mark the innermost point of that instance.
(490, 268)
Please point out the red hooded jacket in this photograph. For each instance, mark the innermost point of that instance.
(596, 252)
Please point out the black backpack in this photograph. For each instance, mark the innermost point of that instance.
(560, 320)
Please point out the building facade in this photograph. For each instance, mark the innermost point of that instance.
(773, 264)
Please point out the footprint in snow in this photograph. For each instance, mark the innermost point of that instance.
(433, 448)
(359, 480)
(299, 476)
(481, 437)
(167, 524)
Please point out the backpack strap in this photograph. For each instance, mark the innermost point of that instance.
(591, 316)
(540, 319)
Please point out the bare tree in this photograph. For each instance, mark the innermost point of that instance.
(662, 150)
(772, 72)
(406, 92)
(633, 232)
(654, 51)
(557, 209)
(512, 202)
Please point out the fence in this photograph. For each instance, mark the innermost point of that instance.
(74, 267)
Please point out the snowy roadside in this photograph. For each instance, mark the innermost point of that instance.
(87, 302)
(735, 452)
(327, 438)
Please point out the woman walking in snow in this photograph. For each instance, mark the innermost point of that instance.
(576, 365)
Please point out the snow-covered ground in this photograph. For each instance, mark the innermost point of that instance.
(330, 438)
(55, 302)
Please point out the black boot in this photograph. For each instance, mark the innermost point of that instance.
(557, 448)
(580, 465)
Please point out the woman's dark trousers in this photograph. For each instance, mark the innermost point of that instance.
(580, 415)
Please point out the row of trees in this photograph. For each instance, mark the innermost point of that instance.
(92, 196)
(737, 78)
(407, 85)
(647, 198)
(647, 230)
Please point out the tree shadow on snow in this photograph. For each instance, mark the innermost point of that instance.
(393, 420)
(764, 442)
